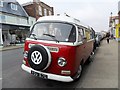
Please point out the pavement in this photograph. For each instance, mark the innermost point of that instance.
(10, 47)
(103, 71)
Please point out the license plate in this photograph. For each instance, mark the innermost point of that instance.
(39, 75)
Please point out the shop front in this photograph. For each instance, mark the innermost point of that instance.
(118, 32)
(14, 34)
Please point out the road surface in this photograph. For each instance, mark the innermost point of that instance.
(101, 73)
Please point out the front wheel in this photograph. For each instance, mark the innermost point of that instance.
(78, 74)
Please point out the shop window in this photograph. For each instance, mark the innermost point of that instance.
(13, 6)
(50, 13)
(2, 18)
(1, 3)
(45, 12)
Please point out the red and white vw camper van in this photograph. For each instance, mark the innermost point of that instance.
(57, 48)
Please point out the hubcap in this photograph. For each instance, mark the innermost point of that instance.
(79, 71)
(36, 57)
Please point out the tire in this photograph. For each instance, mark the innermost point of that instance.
(39, 57)
(89, 60)
(78, 74)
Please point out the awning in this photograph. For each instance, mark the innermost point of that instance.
(14, 27)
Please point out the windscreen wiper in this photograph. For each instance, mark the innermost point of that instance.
(53, 37)
(34, 36)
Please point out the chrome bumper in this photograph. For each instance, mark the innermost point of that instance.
(50, 76)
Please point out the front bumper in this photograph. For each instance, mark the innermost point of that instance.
(50, 76)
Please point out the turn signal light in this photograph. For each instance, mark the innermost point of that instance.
(66, 72)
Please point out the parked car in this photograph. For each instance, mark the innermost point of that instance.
(57, 48)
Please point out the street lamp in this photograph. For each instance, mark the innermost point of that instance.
(111, 21)
(111, 14)
(111, 17)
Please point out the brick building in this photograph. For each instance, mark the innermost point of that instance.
(113, 22)
(38, 9)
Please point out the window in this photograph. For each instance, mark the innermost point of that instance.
(45, 12)
(80, 33)
(50, 13)
(40, 10)
(1, 3)
(2, 18)
(13, 6)
(87, 32)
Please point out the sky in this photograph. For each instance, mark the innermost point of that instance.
(94, 13)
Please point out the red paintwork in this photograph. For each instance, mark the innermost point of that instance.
(73, 55)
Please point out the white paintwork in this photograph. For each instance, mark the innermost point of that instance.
(50, 76)
(61, 18)
(54, 42)
(36, 57)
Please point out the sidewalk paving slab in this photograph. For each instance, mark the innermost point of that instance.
(103, 71)
(11, 47)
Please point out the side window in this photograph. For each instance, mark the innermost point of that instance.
(91, 34)
(80, 33)
(72, 36)
(87, 34)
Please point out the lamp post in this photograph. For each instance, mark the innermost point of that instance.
(111, 14)
(111, 17)
(111, 22)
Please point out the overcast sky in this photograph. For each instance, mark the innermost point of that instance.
(94, 13)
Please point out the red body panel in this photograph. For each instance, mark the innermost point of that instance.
(72, 54)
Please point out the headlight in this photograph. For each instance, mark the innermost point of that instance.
(25, 54)
(62, 62)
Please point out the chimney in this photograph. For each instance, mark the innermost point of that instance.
(36, 1)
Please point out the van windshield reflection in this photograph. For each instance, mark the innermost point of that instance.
(60, 32)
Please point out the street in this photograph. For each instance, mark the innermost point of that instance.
(101, 73)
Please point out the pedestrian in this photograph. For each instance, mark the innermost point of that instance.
(108, 40)
(112, 37)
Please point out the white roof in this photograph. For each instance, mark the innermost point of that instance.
(61, 19)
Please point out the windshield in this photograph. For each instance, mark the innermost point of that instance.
(62, 32)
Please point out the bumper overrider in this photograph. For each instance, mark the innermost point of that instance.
(49, 75)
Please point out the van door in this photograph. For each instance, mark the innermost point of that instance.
(85, 39)
(81, 47)
(88, 43)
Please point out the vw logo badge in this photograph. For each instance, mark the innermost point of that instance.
(36, 57)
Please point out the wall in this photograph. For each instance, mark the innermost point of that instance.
(32, 20)
(33, 9)
(13, 19)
